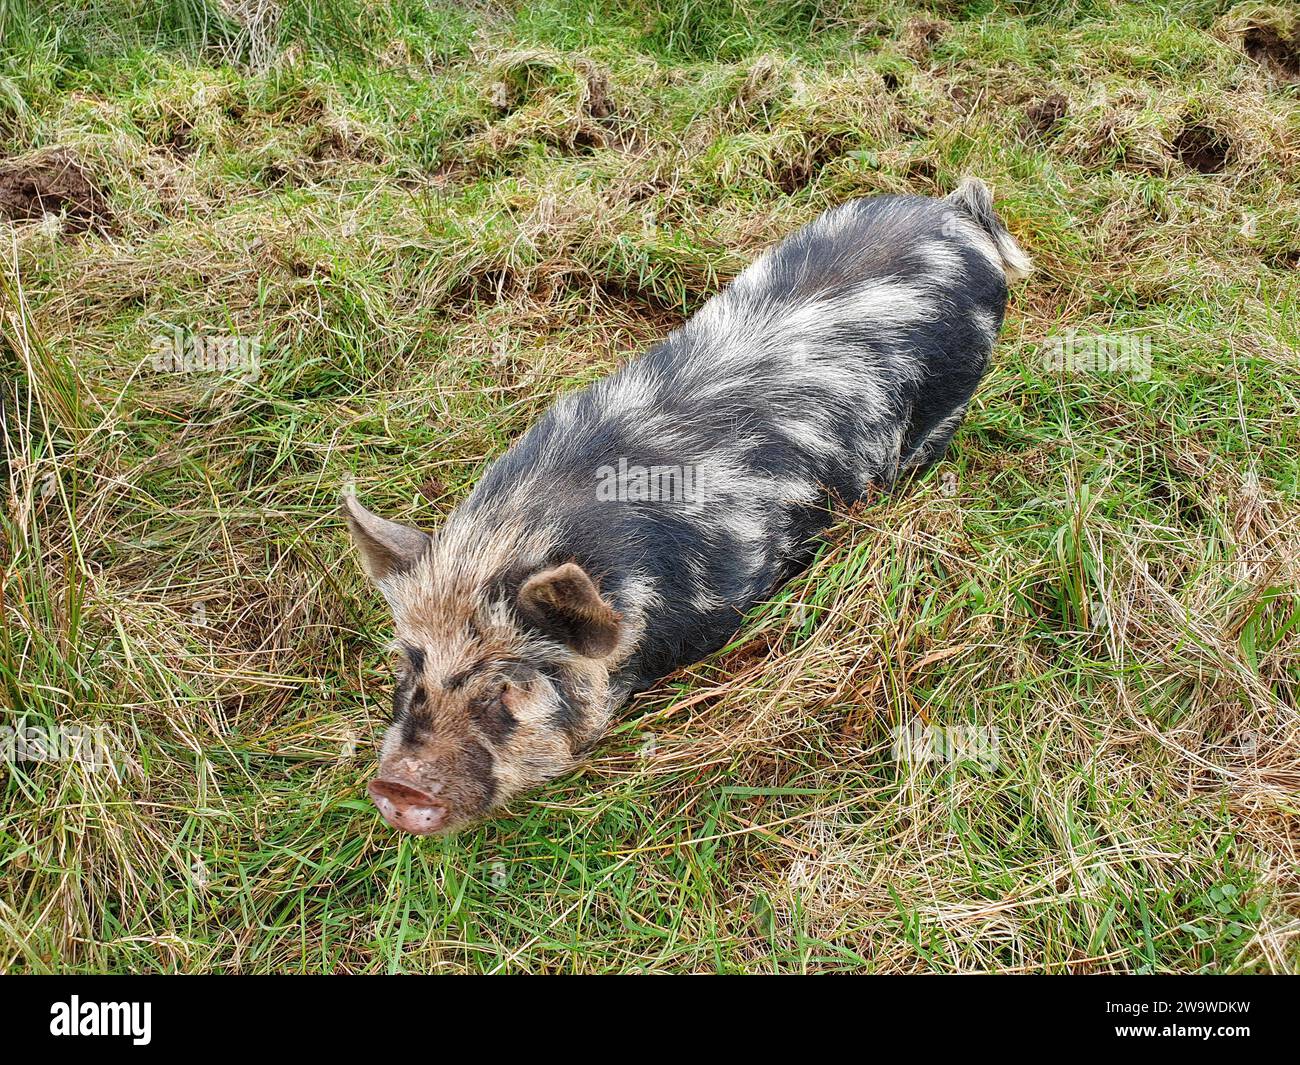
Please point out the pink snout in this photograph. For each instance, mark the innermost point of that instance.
(406, 808)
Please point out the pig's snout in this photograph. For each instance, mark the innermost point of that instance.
(408, 809)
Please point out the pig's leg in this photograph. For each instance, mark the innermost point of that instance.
(927, 446)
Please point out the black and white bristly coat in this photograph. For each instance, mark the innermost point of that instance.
(841, 359)
(630, 529)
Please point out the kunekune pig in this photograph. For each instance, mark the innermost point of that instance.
(629, 530)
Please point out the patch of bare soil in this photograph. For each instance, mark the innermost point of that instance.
(178, 139)
(1042, 116)
(52, 182)
(433, 489)
(1273, 50)
(1202, 148)
(803, 170)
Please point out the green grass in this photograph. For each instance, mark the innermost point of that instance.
(437, 219)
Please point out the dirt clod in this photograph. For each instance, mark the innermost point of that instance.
(1041, 116)
(51, 182)
(433, 489)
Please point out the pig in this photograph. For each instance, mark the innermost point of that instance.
(629, 530)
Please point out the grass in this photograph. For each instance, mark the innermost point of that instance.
(437, 219)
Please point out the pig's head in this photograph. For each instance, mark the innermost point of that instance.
(502, 667)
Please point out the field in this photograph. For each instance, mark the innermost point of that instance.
(1038, 711)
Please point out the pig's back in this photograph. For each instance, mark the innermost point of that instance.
(814, 375)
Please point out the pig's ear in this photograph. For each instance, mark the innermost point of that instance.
(563, 602)
(386, 548)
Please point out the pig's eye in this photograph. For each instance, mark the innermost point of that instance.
(493, 715)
